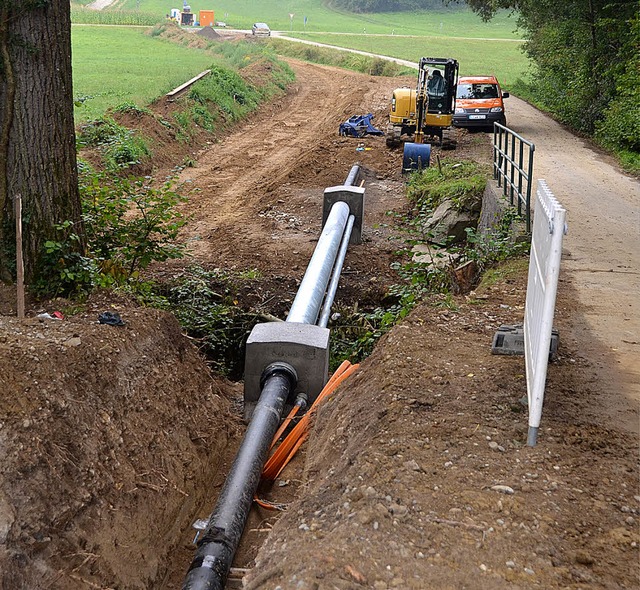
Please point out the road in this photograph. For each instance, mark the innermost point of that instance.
(601, 254)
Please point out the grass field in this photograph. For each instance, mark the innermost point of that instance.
(242, 14)
(503, 59)
(112, 65)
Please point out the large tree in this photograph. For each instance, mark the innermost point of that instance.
(580, 48)
(37, 136)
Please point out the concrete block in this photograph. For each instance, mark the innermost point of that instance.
(352, 196)
(305, 347)
(509, 340)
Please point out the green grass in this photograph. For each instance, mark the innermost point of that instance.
(476, 57)
(129, 66)
(242, 14)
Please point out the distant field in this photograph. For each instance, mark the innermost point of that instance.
(242, 14)
(117, 64)
(476, 57)
(112, 65)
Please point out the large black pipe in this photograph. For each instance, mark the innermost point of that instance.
(212, 562)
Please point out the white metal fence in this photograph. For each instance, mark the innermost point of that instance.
(549, 227)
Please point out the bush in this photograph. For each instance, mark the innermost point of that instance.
(128, 224)
(120, 147)
(619, 129)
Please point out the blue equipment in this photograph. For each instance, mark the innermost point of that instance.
(359, 126)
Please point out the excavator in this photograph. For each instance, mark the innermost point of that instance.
(425, 112)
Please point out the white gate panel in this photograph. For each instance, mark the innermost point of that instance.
(549, 227)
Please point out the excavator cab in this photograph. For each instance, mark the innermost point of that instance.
(426, 111)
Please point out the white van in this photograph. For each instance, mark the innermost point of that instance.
(261, 30)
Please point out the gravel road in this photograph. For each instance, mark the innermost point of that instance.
(601, 255)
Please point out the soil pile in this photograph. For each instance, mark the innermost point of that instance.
(106, 433)
(208, 33)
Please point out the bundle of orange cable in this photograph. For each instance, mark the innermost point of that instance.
(292, 442)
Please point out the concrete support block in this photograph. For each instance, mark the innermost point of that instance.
(352, 196)
(509, 340)
(305, 347)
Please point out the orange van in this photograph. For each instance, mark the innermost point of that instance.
(479, 102)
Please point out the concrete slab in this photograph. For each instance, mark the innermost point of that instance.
(352, 196)
(305, 347)
(509, 340)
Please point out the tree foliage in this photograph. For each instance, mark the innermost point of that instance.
(586, 53)
(392, 5)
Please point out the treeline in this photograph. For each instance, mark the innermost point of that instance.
(394, 5)
(587, 57)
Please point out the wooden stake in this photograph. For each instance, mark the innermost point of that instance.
(19, 257)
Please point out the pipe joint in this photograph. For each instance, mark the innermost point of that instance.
(302, 400)
(280, 368)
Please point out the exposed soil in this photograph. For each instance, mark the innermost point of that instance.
(116, 438)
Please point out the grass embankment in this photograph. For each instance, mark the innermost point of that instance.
(243, 75)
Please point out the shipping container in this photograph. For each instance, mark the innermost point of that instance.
(206, 18)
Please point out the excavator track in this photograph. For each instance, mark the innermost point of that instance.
(393, 136)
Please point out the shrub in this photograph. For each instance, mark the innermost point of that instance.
(120, 147)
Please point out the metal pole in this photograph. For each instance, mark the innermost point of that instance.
(352, 178)
(306, 305)
(212, 562)
(335, 277)
(532, 149)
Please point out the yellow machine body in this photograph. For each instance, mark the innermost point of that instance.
(426, 111)
(403, 111)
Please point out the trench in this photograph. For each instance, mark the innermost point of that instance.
(226, 292)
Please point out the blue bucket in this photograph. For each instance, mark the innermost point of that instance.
(416, 156)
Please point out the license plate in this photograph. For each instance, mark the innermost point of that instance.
(477, 116)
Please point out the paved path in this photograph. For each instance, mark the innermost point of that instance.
(601, 253)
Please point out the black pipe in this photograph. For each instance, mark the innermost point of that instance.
(352, 178)
(212, 562)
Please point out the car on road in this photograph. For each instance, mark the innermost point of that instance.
(261, 30)
(479, 102)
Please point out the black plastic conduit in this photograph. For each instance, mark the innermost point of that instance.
(212, 562)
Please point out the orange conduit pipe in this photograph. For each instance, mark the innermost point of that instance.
(292, 442)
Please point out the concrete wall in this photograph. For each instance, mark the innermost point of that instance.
(494, 207)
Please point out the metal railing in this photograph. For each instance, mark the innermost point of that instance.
(513, 168)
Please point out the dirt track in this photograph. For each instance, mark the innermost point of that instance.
(116, 439)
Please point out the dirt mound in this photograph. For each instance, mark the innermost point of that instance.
(209, 33)
(418, 477)
(104, 433)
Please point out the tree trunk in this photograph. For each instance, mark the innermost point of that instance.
(37, 139)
